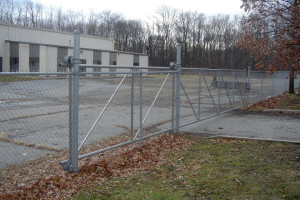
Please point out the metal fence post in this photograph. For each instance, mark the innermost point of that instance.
(141, 107)
(199, 93)
(72, 164)
(261, 86)
(272, 85)
(173, 101)
(132, 104)
(247, 88)
(233, 88)
(178, 88)
(219, 90)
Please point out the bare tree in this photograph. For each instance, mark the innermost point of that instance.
(165, 22)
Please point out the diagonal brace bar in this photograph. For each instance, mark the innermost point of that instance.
(226, 89)
(189, 100)
(102, 112)
(210, 93)
(152, 104)
(239, 89)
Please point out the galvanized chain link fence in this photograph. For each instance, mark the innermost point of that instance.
(40, 112)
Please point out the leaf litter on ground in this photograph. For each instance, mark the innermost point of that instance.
(45, 179)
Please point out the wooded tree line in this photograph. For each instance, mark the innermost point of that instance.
(207, 41)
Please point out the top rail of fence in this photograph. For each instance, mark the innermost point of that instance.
(208, 69)
(124, 67)
(36, 73)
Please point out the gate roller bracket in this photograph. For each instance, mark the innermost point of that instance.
(173, 65)
(67, 62)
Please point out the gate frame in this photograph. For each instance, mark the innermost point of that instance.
(71, 164)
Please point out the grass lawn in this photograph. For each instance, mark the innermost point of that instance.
(212, 169)
(291, 102)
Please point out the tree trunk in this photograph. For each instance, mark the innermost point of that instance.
(291, 84)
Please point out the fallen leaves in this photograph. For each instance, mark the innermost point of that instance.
(268, 103)
(48, 181)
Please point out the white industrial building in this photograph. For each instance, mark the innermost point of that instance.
(26, 49)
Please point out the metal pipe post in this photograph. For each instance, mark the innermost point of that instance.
(272, 85)
(199, 93)
(218, 82)
(132, 103)
(70, 116)
(248, 88)
(73, 137)
(233, 88)
(141, 107)
(173, 101)
(178, 88)
(261, 86)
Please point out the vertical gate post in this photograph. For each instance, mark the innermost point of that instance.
(141, 107)
(219, 90)
(72, 164)
(132, 104)
(178, 63)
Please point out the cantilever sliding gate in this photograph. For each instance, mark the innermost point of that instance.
(129, 101)
(135, 103)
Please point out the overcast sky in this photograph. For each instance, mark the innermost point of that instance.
(145, 9)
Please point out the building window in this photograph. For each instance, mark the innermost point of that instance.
(1, 64)
(61, 53)
(14, 57)
(97, 60)
(112, 58)
(136, 60)
(34, 58)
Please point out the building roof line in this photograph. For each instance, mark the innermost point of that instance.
(54, 31)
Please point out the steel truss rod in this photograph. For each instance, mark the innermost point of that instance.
(146, 116)
(188, 100)
(210, 93)
(239, 89)
(226, 88)
(102, 112)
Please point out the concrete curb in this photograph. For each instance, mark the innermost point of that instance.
(254, 138)
(282, 110)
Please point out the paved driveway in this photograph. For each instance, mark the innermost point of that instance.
(268, 126)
